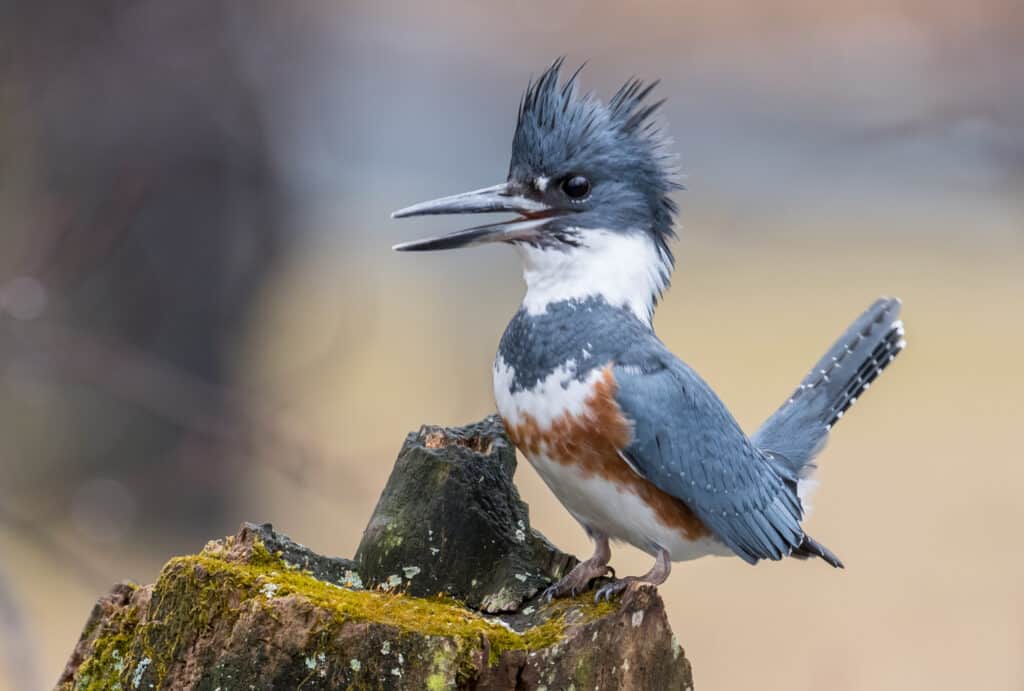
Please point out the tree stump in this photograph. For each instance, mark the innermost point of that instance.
(443, 594)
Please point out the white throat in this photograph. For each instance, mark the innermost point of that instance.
(626, 269)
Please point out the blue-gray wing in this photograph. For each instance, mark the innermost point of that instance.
(688, 445)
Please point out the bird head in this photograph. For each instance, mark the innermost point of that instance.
(586, 177)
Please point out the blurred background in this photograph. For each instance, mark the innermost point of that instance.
(201, 321)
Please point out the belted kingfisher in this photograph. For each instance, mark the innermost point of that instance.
(632, 441)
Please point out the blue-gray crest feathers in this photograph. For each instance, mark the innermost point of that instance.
(560, 132)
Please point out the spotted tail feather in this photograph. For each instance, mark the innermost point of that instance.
(797, 431)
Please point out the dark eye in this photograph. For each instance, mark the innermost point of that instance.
(576, 187)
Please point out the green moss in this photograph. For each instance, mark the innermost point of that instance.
(584, 672)
(437, 682)
(105, 669)
(444, 666)
(391, 539)
(267, 576)
(261, 556)
(195, 594)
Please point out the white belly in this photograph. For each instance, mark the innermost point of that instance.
(620, 514)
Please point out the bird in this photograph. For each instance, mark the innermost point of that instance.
(633, 442)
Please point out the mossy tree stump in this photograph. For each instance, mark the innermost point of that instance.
(443, 594)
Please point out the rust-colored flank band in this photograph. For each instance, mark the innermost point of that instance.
(592, 442)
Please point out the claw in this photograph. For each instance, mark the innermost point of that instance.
(576, 581)
(610, 590)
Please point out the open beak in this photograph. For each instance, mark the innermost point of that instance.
(503, 197)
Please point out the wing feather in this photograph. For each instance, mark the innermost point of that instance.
(688, 445)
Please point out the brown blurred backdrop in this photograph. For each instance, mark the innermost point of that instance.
(201, 321)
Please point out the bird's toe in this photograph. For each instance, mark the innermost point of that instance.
(610, 590)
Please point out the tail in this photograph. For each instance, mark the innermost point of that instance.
(797, 431)
(812, 548)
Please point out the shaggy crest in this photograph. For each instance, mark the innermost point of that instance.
(560, 132)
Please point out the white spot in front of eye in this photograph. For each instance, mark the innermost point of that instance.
(542, 182)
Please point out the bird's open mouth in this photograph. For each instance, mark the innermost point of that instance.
(532, 215)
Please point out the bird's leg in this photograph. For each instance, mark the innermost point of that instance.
(577, 580)
(656, 576)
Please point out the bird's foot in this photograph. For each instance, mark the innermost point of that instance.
(656, 576)
(616, 587)
(577, 580)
